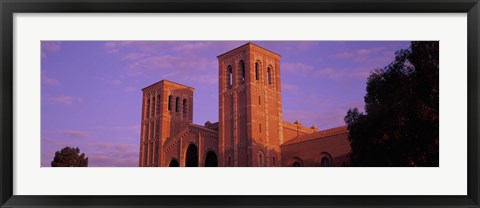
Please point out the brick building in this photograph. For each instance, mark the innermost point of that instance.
(250, 131)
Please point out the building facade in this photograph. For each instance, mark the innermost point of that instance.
(250, 131)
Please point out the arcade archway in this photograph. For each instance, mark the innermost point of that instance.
(211, 159)
(173, 163)
(191, 157)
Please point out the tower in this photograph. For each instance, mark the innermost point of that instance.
(250, 111)
(167, 108)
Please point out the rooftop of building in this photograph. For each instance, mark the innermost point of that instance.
(169, 82)
(318, 135)
(249, 43)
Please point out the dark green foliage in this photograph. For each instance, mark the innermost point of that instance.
(69, 157)
(400, 125)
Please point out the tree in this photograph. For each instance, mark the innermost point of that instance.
(400, 126)
(69, 157)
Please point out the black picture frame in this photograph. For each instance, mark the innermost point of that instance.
(9, 7)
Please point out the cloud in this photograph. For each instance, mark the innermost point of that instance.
(205, 79)
(336, 74)
(134, 56)
(64, 100)
(114, 47)
(329, 72)
(114, 82)
(49, 81)
(135, 128)
(51, 46)
(287, 87)
(108, 81)
(131, 89)
(48, 47)
(169, 63)
(299, 68)
(305, 70)
(189, 46)
(114, 155)
(359, 55)
(74, 134)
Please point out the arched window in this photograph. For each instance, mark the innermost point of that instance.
(260, 127)
(229, 162)
(158, 105)
(259, 101)
(269, 74)
(230, 76)
(273, 160)
(191, 156)
(174, 163)
(326, 159)
(185, 107)
(261, 159)
(257, 70)
(153, 107)
(325, 162)
(242, 70)
(211, 159)
(177, 103)
(170, 103)
(147, 111)
(297, 162)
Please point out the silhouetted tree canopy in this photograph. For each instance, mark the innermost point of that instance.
(69, 157)
(400, 125)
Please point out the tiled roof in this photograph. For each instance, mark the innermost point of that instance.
(318, 135)
(248, 44)
(168, 81)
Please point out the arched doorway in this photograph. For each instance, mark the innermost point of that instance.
(173, 163)
(325, 162)
(191, 157)
(297, 162)
(211, 159)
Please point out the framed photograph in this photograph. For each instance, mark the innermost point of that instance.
(246, 104)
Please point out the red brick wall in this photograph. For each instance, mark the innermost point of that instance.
(310, 152)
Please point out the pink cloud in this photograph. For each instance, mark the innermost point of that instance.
(133, 56)
(115, 82)
(135, 128)
(49, 47)
(299, 68)
(64, 100)
(131, 89)
(189, 46)
(46, 80)
(52, 46)
(77, 134)
(205, 79)
(287, 87)
(336, 74)
(114, 47)
(114, 155)
(169, 63)
(108, 81)
(360, 55)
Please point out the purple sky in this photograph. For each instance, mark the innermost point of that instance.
(91, 90)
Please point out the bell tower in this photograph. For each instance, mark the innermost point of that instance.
(166, 109)
(250, 111)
